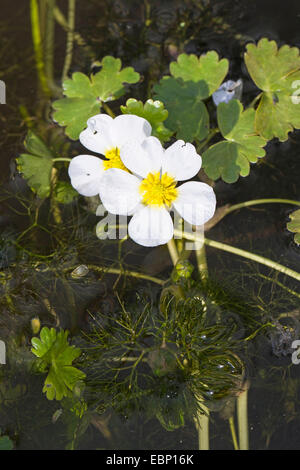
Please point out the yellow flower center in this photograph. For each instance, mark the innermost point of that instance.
(158, 190)
(113, 160)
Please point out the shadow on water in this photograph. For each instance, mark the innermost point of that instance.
(36, 277)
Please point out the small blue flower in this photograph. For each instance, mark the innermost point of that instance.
(227, 91)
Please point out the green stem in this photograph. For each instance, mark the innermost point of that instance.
(42, 14)
(233, 433)
(70, 38)
(253, 257)
(61, 159)
(255, 202)
(37, 45)
(173, 251)
(227, 210)
(201, 261)
(61, 20)
(290, 291)
(242, 413)
(202, 425)
(251, 105)
(211, 134)
(49, 42)
(136, 274)
(243, 254)
(56, 212)
(108, 110)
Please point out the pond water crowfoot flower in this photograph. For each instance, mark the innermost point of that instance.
(150, 191)
(104, 135)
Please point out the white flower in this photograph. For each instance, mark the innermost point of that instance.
(227, 91)
(151, 190)
(106, 136)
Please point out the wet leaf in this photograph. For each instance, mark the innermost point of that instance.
(84, 95)
(294, 225)
(55, 353)
(193, 80)
(154, 112)
(276, 72)
(232, 157)
(36, 165)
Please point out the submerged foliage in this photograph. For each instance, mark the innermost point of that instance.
(161, 361)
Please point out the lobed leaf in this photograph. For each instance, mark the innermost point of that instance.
(276, 72)
(231, 157)
(193, 80)
(85, 95)
(36, 165)
(55, 352)
(207, 70)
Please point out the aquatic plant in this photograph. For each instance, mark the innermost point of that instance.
(56, 356)
(5, 443)
(176, 356)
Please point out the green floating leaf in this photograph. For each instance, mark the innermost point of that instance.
(154, 112)
(6, 443)
(276, 72)
(84, 95)
(231, 157)
(36, 165)
(55, 353)
(294, 225)
(193, 80)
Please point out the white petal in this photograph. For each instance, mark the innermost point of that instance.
(129, 127)
(143, 158)
(119, 191)
(97, 136)
(151, 226)
(181, 161)
(86, 172)
(196, 202)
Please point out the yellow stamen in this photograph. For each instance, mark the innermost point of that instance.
(113, 160)
(158, 190)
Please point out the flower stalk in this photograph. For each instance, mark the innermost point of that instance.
(244, 254)
(242, 413)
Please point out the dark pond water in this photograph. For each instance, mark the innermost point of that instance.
(34, 283)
